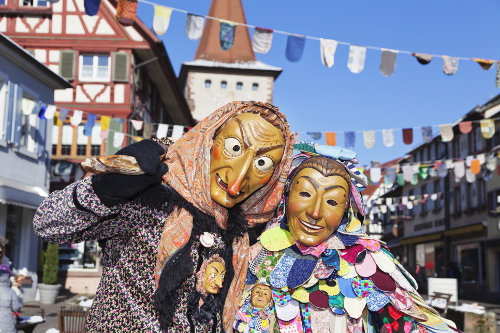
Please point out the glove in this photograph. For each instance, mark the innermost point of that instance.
(115, 188)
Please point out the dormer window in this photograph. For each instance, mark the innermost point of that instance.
(94, 67)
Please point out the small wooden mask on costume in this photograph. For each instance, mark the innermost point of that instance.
(244, 155)
(260, 296)
(317, 201)
(210, 277)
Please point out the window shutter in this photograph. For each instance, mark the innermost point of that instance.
(67, 64)
(121, 66)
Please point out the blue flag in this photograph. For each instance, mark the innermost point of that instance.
(91, 7)
(87, 130)
(295, 47)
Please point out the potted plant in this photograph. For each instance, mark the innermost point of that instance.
(49, 289)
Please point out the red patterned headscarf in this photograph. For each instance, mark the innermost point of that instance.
(189, 174)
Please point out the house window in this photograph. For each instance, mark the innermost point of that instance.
(223, 85)
(74, 143)
(438, 189)
(458, 200)
(3, 2)
(95, 67)
(35, 3)
(28, 123)
(255, 86)
(208, 83)
(239, 85)
(4, 91)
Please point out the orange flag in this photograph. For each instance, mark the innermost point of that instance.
(331, 138)
(475, 166)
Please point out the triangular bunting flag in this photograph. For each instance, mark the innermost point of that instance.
(137, 124)
(485, 64)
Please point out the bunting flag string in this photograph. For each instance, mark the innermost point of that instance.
(295, 45)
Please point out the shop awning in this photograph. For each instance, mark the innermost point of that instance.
(463, 230)
(20, 194)
(421, 239)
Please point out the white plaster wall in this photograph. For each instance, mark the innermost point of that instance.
(54, 55)
(41, 55)
(105, 97)
(104, 28)
(119, 97)
(207, 100)
(63, 95)
(20, 26)
(3, 25)
(74, 25)
(56, 24)
(44, 27)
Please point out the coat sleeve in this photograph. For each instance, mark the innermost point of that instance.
(76, 214)
(16, 305)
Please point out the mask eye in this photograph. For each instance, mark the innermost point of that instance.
(332, 202)
(232, 146)
(212, 275)
(264, 163)
(305, 194)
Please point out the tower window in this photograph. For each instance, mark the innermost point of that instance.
(239, 86)
(255, 86)
(208, 83)
(223, 85)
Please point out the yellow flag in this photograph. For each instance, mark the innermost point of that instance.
(105, 122)
(161, 19)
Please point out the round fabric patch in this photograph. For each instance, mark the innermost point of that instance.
(254, 265)
(371, 244)
(334, 242)
(301, 295)
(311, 282)
(331, 288)
(400, 299)
(293, 326)
(383, 281)
(354, 306)
(276, 239)
(319, 299)
(280, 273)
(346, 288)
(362, 287)
(331, 258)
(401, 280)
(348, 240)
(281, 297)
(367, 268)
(322, 271)
(350, 253)
(344, 268)
(336, 301)
(320, 321)
(384, 262)
(376, 300)
(352, 273)
(300, 272)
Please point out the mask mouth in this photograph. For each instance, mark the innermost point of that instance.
(311, 226)
(220, 182)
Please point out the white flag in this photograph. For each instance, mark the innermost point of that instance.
(357, 56)
(194, 26)
(262, 40)
(162, 130)
(50, 111)
(77, 118)
(118, 139)
(328, 48)
(137, 124)
(161, 19)
(177, 132)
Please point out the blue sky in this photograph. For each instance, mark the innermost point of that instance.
(316, 98)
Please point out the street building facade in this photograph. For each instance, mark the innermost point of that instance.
(122, 72)
(25, 86)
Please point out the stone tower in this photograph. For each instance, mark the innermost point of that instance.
(217, 77)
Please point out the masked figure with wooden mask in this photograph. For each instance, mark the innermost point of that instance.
(325, 273)
(223, 176)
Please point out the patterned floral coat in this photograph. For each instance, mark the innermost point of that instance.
(125, 294)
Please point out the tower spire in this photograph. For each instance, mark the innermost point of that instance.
(209, 46)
